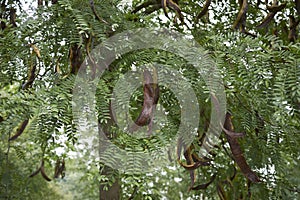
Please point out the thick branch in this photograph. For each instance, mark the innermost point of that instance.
(241, 18)
(204, 10)
(273, 10)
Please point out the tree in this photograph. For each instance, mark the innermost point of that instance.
(254, 46)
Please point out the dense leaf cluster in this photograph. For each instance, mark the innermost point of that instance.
(254, 45)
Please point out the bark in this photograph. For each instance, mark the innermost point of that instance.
(114, 191)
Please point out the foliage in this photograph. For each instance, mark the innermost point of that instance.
(257, 56)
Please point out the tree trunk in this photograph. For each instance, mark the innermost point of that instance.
(113, 192)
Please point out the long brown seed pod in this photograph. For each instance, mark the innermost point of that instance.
(20, 130)
(204, 185)
(189, 161)
(95, 13)
(190, 158)
(35, 172)
(237, 152)
(151, 95)
(44, 175)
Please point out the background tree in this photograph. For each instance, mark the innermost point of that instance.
(255, 45)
